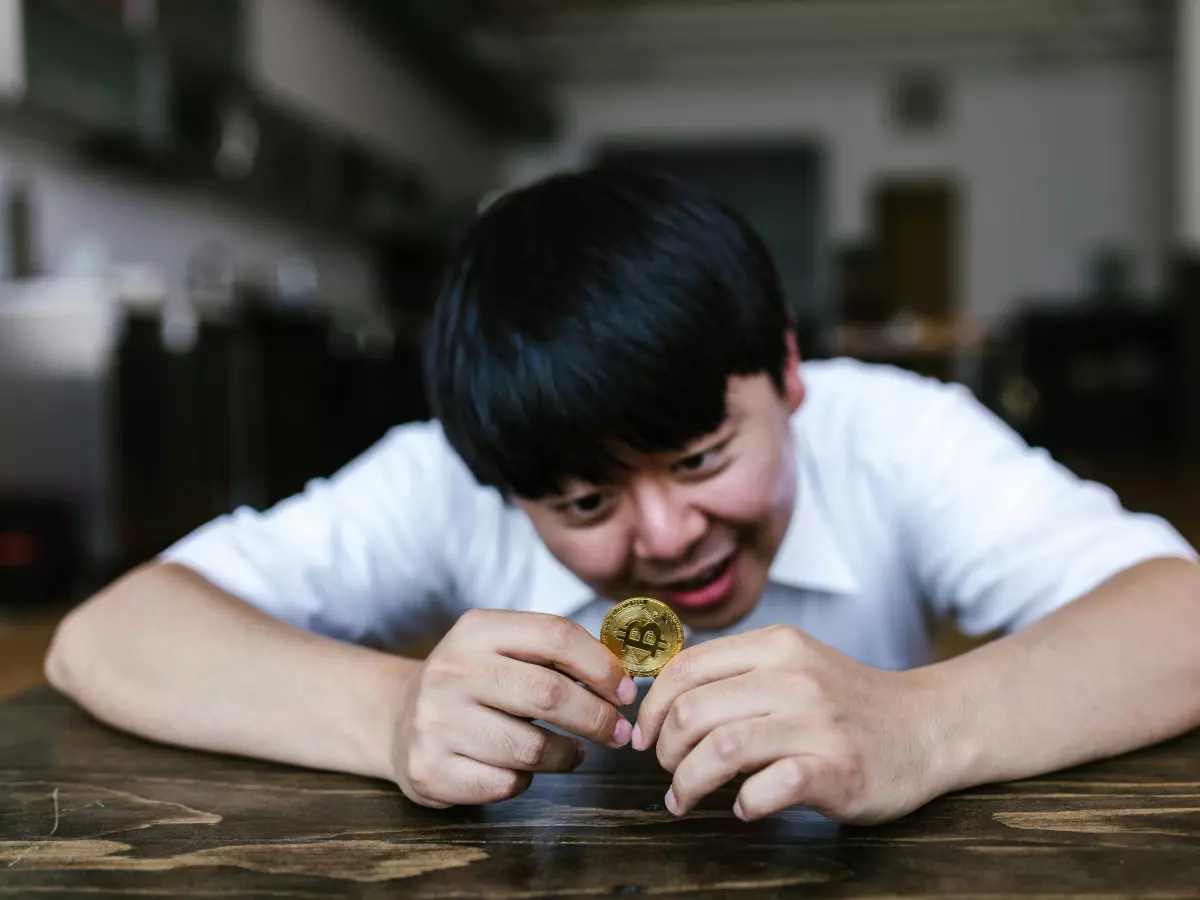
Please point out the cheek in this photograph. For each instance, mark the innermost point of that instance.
(594, 555)
(751, 491)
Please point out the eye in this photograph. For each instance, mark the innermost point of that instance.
(586, 508)
(702, 462)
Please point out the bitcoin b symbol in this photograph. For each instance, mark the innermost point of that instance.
(642, 635)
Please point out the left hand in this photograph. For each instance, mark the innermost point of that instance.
(856, 743)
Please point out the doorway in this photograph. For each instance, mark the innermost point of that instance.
(917, 247)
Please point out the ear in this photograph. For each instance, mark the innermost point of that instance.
(793, 384)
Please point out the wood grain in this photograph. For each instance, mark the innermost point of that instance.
(86, 811)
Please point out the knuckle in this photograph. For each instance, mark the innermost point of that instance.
(680, 669)
(473, 618)
(426, 717)
(423, 772)
(786, 639)
(529, 750)
(443, 668)
(612, 671)
(684, 713)
(547, 694)
(729, 744)
(793, 776)
(502, 785)
(802, 683)
(559, 631)
(603, 722)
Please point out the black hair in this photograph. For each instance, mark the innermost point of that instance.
(592, 311)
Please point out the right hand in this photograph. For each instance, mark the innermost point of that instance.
(465, 733)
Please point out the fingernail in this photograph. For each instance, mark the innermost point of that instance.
(627, 690)
(737, 809)
(580, 754)
(637, 738)
(669, 800)
(622, 732)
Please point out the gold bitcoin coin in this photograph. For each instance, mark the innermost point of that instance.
(644, 633)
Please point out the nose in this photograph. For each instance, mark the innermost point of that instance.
(669, 525)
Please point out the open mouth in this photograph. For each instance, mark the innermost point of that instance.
(706, 589)
(702, 579)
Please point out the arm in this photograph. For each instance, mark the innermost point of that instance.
(164, 654)
(1113, 671)
(1101, 606)
(864, 745)
(168, 656)
(245, 639)
(242, 637)
(1003, 537)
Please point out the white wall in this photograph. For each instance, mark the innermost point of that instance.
(1058, 133)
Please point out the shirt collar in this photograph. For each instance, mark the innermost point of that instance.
(809, 557)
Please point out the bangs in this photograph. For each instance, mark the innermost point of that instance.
(567, 407)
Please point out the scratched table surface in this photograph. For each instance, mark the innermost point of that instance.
(87, 811)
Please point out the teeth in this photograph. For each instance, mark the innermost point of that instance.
(700, 580)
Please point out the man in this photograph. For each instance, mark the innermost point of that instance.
(621, 412)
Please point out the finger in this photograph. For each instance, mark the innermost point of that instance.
(461, 781)
(742, 746)
(499, 739)
(793, 780)
(725, 657)
(549, 640)
(535, 692)
(698, 712)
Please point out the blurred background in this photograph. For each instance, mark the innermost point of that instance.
(221, 222)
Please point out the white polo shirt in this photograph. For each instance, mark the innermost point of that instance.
(913, 500)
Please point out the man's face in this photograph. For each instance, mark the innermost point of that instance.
(696, 529)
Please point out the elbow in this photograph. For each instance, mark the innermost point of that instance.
(66, 656)
(84, 643)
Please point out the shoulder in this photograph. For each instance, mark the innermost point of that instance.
(411, 461)
(865, 412)
(414, 466)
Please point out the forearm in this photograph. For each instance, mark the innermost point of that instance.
(1116, 670)
(164, 654)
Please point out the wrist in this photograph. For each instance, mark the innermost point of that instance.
(945, 722)
(391, 682)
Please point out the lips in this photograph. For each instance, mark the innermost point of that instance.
(707, 588)
(703, 577)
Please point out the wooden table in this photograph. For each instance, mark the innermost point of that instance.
(88, 812)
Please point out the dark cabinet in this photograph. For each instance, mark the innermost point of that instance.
(211, 29)
(1091, 379)
(248, 415)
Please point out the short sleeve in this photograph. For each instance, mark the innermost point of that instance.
(999, 533)
(364, 555)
